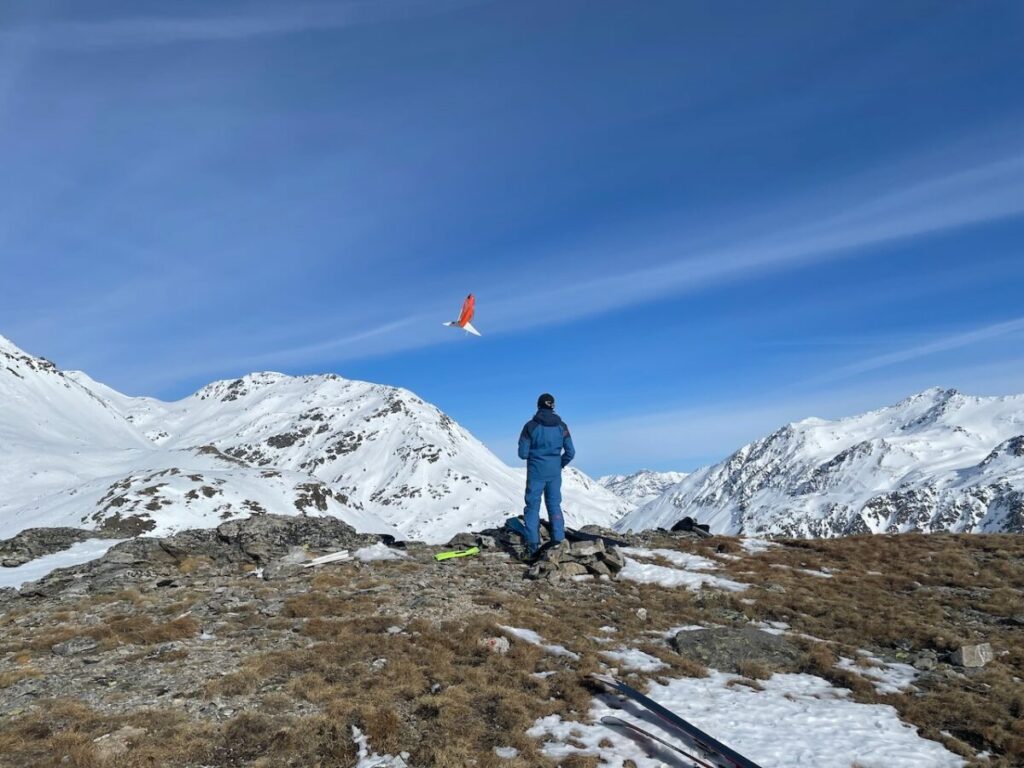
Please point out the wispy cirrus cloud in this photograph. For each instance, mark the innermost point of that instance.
(914, 207)
(946, 343)
(911, 207)
(168, 30)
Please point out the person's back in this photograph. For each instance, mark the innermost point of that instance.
(546, 445)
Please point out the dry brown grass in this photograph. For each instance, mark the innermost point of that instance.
(916, 592)
(11, 676)
(193, 563)
(314, 672)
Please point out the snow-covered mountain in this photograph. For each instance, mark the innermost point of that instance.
(641, 487)
(937, 461)
(78, 453)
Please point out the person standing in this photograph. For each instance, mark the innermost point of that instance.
(546, 446)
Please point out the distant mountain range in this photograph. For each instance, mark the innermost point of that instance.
(641, 487)
(937, 461)
(77, 453)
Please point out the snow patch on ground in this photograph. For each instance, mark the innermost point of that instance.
(886, 677)
(771, 627)
(378, 551)
(76, 554)
(690, 572)
(531, 637)
(368, 759)
(634, 659)
(754, 546)
(797, 721)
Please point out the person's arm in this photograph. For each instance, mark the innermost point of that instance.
(568, 450)
(524, 442)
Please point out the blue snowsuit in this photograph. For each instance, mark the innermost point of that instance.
(546, 446)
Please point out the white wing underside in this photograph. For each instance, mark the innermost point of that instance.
(468, 327)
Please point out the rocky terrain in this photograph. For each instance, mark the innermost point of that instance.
(225, 647)
(937, 461)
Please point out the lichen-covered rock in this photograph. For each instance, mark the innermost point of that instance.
(74, 646)
(724, 648)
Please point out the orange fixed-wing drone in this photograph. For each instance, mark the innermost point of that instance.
(468, 308)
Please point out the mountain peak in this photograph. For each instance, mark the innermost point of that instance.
(6, 345)
(934, 395)
(9, 347)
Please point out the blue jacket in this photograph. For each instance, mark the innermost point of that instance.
(545, 444)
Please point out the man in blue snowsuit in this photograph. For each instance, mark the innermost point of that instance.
(546, 446)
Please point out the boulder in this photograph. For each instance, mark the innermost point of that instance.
(926, 660)
(724, 648)
(74, 646)
(586, 548)
(463, 541)
(264, 538)
(973, 655)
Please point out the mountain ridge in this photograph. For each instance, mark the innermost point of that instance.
(936, 460)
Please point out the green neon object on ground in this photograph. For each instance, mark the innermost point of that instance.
(457, 553)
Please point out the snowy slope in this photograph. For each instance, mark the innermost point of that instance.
(641, 487)
(71, 458)
(937, 461)
(378, 457)
(384, 449)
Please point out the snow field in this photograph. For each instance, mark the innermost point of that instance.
(797, 721)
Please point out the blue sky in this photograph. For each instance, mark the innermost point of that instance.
(691, 222)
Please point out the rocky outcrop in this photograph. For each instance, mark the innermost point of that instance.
(262, 541)
(36, 542)
(726, 648)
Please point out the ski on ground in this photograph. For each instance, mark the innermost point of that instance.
(707, 743)
(617, 722)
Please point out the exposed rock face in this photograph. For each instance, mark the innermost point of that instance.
(260, 540)
(724, 648)
(36, 542)
(266, 537)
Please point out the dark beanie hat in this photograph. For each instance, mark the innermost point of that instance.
(546, 401)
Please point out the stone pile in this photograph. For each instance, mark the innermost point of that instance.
(556, 561)
(578, 558)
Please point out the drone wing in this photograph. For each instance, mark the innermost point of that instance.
(468, 308)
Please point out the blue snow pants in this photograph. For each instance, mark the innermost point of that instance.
(551, 489)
